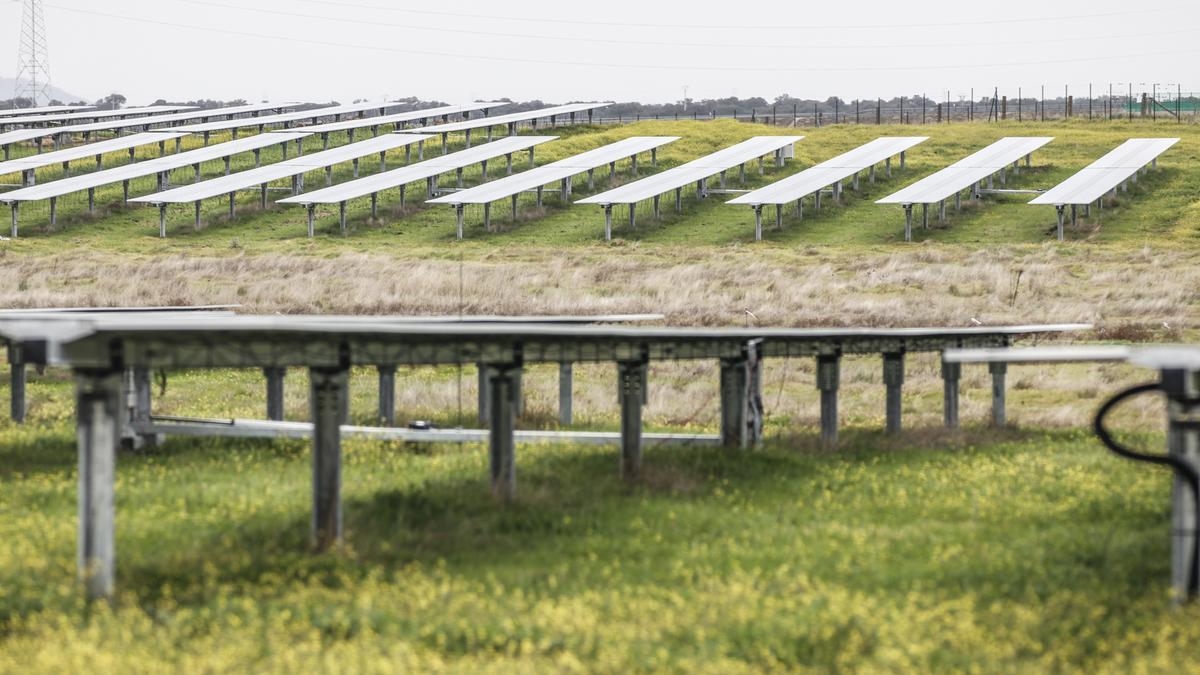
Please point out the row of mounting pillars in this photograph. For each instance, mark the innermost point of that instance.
(835, 191)
(110, 401)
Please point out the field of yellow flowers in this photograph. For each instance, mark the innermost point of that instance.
(1031, 550)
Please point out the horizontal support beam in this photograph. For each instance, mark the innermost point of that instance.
(241, 428)
(999, 191)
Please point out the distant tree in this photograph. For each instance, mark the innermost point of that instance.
(112, 101)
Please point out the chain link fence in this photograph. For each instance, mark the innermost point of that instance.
(1025, 106)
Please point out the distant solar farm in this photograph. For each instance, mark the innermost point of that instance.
(40, 146)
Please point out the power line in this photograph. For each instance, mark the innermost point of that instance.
(593, 23)
(705, 45)
(624, 66)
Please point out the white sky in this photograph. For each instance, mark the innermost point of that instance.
(317, 50)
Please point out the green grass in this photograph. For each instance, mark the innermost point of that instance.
(1162, 204)
(1015, 551)
(1031, 551)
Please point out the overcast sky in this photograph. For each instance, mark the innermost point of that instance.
(318, 50)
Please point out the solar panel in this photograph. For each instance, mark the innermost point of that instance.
(401, 118)
(204, 342)
(511, 119)
(1104, 175)
(427, 170)
(27, 165)
(241, 180)
(950, 181)
(42, 110)
(160, 166)
(145, 122)
(695, 171)
(830, 172)
(261, 176)
(159, 120)
(93, 114)
(562, 170)
(287, 118)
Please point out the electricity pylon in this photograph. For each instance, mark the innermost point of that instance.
(33, 72)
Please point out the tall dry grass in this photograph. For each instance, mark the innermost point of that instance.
(1154, 291)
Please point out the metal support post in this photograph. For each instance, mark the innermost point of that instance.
(311, 208)
(98, 410)
(908, 218)
(893, 380)
(502, 417)
(632, 389)
(274, 376)
(999, 370)
(16, 364)
(951, 374)
(757, 222)
(328, 400)
(828, 367)
(387, 395)
(607, 221)
(566, 378)
(1060, 209)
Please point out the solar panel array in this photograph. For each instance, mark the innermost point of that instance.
(161, 166)
(398, 119)
(143, 122)
(510, 119)
(92, 114)
(427, 170)
(287, 118)
(42, 110)
(26, 165)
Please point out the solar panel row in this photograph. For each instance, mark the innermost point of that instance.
(142, 122)
(561, 172)
(428, 170)
(27, 165)
(696, 171)
(260, 177)
(833, 171)
(161, 167)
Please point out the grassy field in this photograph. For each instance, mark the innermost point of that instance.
(1160, 206)
(1028, 549)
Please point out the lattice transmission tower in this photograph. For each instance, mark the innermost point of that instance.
(33, 71)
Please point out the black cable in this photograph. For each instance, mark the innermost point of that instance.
(1182, 468)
